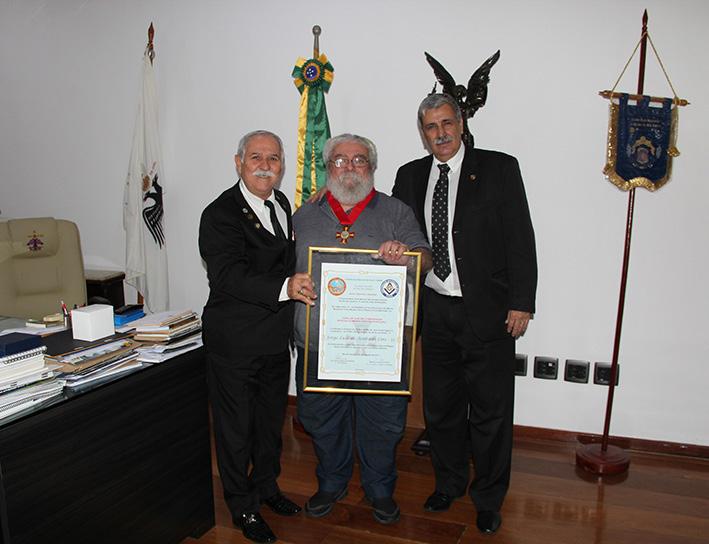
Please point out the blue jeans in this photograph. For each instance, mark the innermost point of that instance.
(377, 422)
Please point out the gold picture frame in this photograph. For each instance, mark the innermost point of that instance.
(364, 321)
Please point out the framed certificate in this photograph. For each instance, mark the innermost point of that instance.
(360, 334)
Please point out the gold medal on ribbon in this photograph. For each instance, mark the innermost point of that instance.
(345, 234)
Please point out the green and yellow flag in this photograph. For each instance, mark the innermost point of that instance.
(313, 78)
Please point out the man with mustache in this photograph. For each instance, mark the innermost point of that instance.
(477, 299)
(246, 241)
(354, 212)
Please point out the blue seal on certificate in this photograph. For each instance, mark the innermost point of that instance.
(336, 286)
(389, 288)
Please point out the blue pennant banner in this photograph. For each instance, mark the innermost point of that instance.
(641, 143)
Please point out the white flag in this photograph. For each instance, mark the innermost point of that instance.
(143, 213)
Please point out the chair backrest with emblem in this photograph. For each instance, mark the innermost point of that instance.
(40, 265)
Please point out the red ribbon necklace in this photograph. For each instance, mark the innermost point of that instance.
(347, 220)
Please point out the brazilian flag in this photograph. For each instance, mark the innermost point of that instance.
(313, 78)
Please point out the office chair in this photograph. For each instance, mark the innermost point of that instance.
(40, 265)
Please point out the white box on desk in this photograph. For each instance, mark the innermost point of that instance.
(92, 322)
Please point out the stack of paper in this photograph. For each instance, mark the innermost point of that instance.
(21, 361)
(97, 362)
(162, 352)
(22, 369)
(27, 397)
(167, 326)
(48, 321)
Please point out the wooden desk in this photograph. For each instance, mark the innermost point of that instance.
(127, 462)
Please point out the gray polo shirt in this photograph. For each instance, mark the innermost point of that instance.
(315, 224)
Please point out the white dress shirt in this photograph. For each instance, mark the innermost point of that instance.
(264, 215)
(262, 212)
(450, 287)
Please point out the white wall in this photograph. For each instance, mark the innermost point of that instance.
(69, 80)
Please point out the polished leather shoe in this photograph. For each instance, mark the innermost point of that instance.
(438, 502)
(282, 505)
(322, 502)
(254, 527)
(489, 521)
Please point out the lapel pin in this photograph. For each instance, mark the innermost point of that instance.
(245, 210)
(258, 225)
(472, 177)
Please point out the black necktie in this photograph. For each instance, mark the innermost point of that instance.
(277, 229)
(439, 225)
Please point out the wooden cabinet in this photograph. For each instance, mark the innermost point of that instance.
(125, 462)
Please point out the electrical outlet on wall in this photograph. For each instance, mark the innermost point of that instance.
(546, 368)
(576, 371)
(520, 364)
(602, 374)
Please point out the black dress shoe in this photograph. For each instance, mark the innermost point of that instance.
(254, 527)
(282, 505)
(438, 502)
(489, 521)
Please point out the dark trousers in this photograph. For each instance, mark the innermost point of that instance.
(249, 396)
(377, 423)
(468, 387)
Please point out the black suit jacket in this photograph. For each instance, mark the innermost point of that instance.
(493, 236)
(246, 267)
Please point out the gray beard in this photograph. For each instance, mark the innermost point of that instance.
(349, 188)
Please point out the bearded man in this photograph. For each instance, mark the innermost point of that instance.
(375, 423)
(246, 241)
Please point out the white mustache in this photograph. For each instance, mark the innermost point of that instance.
(443, 139)
(264, 174)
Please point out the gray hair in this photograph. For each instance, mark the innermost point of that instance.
(435, 101)
(342, 138)
(241, 149)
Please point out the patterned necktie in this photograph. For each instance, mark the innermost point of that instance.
(439, 225)
(277, 229)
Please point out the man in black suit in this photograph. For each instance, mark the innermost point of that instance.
(478, 298)
(246, 241)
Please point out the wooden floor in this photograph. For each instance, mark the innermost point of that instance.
(661, 500)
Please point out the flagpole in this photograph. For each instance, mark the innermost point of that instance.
(151, 56)
(603, 458)
(316, 41)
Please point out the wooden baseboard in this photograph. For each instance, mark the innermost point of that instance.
(634, 444)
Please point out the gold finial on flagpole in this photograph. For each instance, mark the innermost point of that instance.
(151, 35)
(316, 41)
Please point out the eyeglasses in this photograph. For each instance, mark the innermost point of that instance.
(357, 161)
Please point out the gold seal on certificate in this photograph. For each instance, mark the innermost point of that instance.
(360, 333)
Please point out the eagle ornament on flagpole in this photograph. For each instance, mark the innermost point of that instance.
(143, 211)
(313, 78)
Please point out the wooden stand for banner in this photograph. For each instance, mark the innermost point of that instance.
(602, 458)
